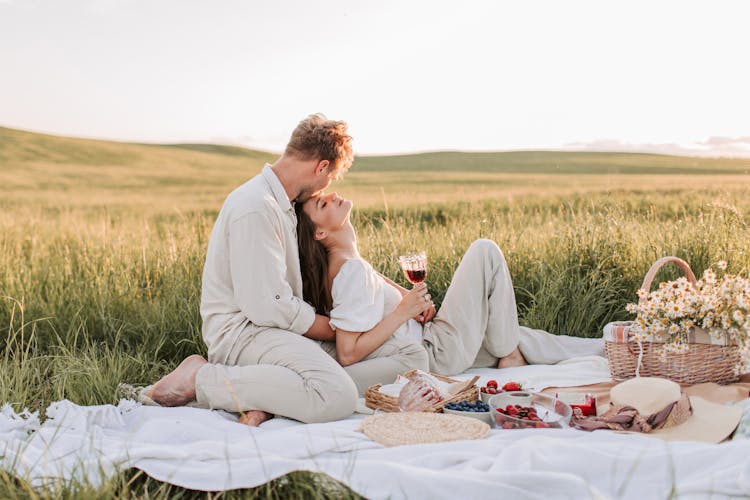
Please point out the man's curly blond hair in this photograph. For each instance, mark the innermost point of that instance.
(317, 137)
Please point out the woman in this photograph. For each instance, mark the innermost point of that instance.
(477, 325)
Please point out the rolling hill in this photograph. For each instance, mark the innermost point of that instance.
(53, 170)
(18, 148)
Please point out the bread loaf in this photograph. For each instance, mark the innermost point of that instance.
(419, 393)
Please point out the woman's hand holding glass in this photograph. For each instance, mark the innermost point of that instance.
(427, 314)
(416, 302)
(414, 266)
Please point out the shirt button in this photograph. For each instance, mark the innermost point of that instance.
(278, 297)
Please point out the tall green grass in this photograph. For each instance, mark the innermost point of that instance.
(93, 299)
(133, 483)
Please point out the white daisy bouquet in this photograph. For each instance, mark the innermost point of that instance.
(718, 303)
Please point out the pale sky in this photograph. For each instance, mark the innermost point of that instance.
(407, 75)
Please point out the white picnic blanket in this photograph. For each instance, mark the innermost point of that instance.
(208, 450)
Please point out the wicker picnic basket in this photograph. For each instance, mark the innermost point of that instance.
(379, 401)
(703, 362)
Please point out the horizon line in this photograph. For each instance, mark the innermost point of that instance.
(557, 149)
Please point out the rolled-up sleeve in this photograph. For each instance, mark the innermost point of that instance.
(257, 260)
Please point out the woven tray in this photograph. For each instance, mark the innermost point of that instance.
(701, 363)
(376, 400)
(394, 429)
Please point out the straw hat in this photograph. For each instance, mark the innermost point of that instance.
(701, 420)
(393, 429)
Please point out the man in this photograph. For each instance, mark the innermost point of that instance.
(263, 357)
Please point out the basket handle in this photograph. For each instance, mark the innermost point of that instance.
(648, 280)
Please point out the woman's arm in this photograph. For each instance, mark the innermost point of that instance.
(352, 347)
(403, 291)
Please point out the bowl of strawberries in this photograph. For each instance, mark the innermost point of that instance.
(538, 411)
(492, 387)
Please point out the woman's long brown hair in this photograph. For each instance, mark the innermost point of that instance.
(313, 260)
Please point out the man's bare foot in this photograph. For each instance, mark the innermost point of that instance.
(178, 387)
(513, 359)
(254, 418)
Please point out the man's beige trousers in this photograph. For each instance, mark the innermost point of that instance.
(279, 372)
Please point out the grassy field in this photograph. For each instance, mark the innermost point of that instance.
(102, 247)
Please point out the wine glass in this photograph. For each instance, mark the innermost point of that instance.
(414, 266)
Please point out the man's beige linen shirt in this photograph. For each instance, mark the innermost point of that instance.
(252, 280)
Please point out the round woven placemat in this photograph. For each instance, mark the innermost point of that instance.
(393, 429)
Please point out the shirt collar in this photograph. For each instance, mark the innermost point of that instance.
(276, 188)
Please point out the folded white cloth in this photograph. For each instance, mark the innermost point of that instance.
(206, 450)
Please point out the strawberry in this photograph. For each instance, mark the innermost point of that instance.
(492, 383)
(512, 386)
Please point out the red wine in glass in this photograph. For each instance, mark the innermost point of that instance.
(414, 266)
(415, 276)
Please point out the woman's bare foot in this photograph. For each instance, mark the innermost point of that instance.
(178, 387)
(513, 359)
(254, 418)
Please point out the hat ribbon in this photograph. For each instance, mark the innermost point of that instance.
(627, 418)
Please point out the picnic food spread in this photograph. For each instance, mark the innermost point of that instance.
(505, 405)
